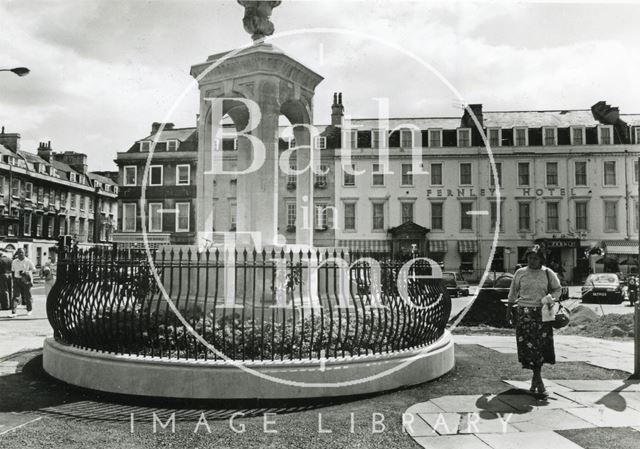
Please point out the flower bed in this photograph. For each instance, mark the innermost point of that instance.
(250, 339)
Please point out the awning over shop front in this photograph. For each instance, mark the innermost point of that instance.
(621, 246)
(467, 246)
(372, 246)
(437, 246)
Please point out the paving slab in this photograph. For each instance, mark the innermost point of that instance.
(526, 402)
(615, 400)
(528, 440)
(424, 407)
(453, 442)
(599, 385)
(547, 419)
(549, 384)
(486, 422)
(417, 427)
(472, 403)
(605, 417)
(442, 423)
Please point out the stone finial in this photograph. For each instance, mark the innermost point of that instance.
(256, 17)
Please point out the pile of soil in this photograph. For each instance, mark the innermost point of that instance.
(487, 318)
(586, 322)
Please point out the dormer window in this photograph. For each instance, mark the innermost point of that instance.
(464, 137)
(378, 137)
(42, 168)
(550, 135)
(605, 134)
(577, 135)
(435, 138)
(73, 177)
(98, 184)
(521, 136)
(495, 137)
(354, 138)
(406, 138)
(172, 145)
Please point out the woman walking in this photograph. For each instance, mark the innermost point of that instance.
(535, 288)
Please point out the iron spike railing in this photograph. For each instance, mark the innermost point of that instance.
(113, 300)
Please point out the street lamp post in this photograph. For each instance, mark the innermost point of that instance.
(20, 71)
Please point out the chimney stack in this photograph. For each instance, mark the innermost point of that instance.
(337, 109)
(44, 151)
(77, 161)
(11, 141)
(605, 114)
(155, 127)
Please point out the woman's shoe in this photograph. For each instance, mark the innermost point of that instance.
(542, 392)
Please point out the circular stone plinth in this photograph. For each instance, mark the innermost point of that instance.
(199, 379)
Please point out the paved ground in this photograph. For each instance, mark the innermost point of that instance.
(515, 419)
(23, 333)
(569, 348)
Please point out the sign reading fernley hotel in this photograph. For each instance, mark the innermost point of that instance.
(491, 192)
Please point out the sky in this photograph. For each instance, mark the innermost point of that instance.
(103, 70)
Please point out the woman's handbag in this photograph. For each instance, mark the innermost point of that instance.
(562, 318)
(562, 315)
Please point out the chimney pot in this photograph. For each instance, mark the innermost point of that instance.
(155, 126)
(337, 110)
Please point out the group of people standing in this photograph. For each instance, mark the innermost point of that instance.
(16, 279)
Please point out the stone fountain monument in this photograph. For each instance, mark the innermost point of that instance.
(263, 77)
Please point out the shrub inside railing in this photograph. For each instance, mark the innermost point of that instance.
(309, 337)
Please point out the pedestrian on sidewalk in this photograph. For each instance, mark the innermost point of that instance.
(22, 269)
(5, 281)
(48, 270)
(533, 289)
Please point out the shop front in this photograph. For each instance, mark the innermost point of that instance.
(562, 256)
(621, 255)
(468, 250)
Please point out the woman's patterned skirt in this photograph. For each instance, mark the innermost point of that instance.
(535, 338)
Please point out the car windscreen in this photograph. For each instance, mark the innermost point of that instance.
(602, 279)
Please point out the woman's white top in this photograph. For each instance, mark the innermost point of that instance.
(530, 286)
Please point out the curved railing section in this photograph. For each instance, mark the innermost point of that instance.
(249, 306)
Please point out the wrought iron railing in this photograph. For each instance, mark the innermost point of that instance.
(265, 306)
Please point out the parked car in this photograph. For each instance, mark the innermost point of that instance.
(496, 284)
(604, 287)
(455, 284)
